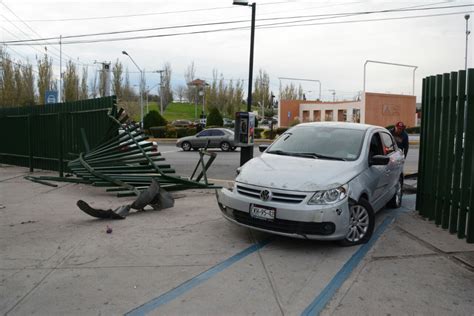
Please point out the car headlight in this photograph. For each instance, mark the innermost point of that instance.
(329, 196)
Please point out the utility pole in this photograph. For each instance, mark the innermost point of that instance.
(467, 38)
(161, 89)
(60, 92)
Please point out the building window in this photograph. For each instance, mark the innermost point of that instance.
(356, 116)
(342, 115)
(316, 116)
(329, 115)
(305, 116)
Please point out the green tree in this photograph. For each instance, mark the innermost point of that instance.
(290, 92)
(45, 77)
(71, 83)
(261, 95)
(166, 92)
(28, 84)
(214, 118)
(153, 118)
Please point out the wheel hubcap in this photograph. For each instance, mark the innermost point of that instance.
(359, 223)
(225, 146)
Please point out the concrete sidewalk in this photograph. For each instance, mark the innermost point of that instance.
(56, 260)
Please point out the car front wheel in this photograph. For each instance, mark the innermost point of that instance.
(361, 223)
(186, 146)
(225, 146)
(396, 200)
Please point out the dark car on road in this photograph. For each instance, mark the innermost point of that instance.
(212, 138)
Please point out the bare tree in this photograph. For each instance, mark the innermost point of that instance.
(84, 93)
(71, 83)
(189, 76)
(180, 92)
(94, 88)
(166, 89)
(117, 72)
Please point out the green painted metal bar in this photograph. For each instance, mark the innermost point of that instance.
(449, 208)
(421, 152)
(30, 143)
(458, 153)
(443, 128)
(465, 140)
(436, 149)
(60, 145)
(428, 207)
(470, 106)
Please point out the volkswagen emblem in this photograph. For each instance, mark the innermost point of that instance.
(265, 195)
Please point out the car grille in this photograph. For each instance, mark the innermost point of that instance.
(276, 196)
(286, 226)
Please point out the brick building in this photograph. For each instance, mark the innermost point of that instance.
(374, 108)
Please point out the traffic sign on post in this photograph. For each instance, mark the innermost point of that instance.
(51, 96)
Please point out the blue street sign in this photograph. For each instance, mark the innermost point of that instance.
(51, 96)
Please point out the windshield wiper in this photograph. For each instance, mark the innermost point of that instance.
(318, 156)
(279, 152)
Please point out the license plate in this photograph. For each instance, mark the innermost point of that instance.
(261, 212)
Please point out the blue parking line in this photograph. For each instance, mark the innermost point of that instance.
(197, 280)
(323, 298)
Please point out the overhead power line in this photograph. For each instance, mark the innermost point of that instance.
(332, 15)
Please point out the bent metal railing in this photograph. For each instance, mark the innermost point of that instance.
(446, 169)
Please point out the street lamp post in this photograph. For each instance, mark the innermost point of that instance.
(246, 153)
(140, 87)
(467, 38)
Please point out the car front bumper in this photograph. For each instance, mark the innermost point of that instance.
(320, 222)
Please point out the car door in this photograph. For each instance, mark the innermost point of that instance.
(376, 177)
(217, 136)
(201, 139)
(395, 165)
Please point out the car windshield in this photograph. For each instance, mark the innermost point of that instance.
(319, 142)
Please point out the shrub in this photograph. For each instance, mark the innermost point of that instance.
(185, 131)
(158, 131)
(294, 122)
(281, 130)
(153, 118)
(267, 134)
(170, 131)
(413, 130)
(258, 132)
(214, 118)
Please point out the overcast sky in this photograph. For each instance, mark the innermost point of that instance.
(332, 53)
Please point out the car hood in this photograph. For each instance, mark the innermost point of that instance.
(296, 173)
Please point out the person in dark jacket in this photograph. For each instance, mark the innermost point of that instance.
(401, 137)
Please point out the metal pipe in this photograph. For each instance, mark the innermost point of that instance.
(392, 64)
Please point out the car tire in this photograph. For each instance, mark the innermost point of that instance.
(362, 219)
(225, 146)
(186, 146)
(396, 200)
(195, 148)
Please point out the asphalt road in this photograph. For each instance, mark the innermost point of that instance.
(226, 163)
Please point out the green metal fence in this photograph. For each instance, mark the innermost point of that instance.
(49, 136)
(446, 167)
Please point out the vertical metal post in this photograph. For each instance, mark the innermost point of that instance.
(60, 145)
(470, 105)
(30, 143)
(422, 154)
(246, 153)
(458, 152)
(467, 39)
(60, 93)
(466, 141)
(436, 147)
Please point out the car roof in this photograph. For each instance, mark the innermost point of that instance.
(344, 125)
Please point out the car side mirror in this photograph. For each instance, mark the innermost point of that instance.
(262, 148)
(379, 160)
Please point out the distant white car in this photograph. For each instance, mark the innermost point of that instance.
(318, 181)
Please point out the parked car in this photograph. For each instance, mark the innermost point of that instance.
(318, 181)
(212, 138)
(228, 122)
(182, 123)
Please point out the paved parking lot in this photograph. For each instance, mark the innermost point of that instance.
(56, 260)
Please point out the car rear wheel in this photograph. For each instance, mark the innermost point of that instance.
(396, 200)
(361, 223)
(186, 146)
(225, 146)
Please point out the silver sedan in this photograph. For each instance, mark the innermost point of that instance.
(318, 181)
(211, 138)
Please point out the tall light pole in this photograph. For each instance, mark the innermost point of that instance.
(161, 89)
(246, 153)
(467, 38)
(140, 87)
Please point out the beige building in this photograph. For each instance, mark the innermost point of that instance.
(374, 108)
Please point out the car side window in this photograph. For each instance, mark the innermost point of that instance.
(388, 143)
(204, 133)
(375, 146)
(217, 132)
